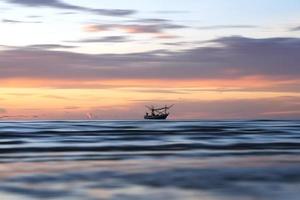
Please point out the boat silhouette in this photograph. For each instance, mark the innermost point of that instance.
(157, 113)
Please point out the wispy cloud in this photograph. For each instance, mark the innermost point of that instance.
(38, 47)
(68, 13)
(150, 20)
(71, 108)
(62, 5)
(49, 46)
(161, 91)
(19, 117)
(19, 22)
(158, 28)
(216, 27)
(182, 43)
(133, 28)
(172, 11)
(20, 94)
(297, 28)
(2, 110)
(34, 16)
(56, 97)
(108, 39)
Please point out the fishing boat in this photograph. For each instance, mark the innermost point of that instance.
(157, 113)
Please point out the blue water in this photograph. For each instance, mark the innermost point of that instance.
(207, 160)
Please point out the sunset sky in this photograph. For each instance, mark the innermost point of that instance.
(107, 59)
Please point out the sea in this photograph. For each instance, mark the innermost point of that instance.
(150, 160)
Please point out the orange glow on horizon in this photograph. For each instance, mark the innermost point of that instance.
(106, 99)
(253, 82)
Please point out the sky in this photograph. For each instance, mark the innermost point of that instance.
(91, 59)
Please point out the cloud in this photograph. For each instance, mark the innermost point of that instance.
(297, 28)
(19, 117)
(2, 110)
(109, 39)
(20, 22)
(136, 28)
(172, 12)
(151, 20)
(39, 47)
(55, 97)
(34, 16)
(49, 46)
(72, 108)
(180, 43)
(20, 94)
(233, 58)
(68, 13)
(62, 5)
(154, 26)
(161, 91)
(216, 27)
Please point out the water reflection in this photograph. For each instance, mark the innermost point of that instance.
(272, 177)
(171, 160)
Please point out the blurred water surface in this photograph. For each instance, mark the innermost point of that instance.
(207, 160)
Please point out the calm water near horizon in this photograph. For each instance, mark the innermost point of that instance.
(122, 160)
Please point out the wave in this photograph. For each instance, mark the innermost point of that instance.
(111, 139)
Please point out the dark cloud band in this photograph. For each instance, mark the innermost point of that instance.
(234, 57)
(62, 5)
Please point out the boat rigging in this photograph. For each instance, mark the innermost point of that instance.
(158, 113)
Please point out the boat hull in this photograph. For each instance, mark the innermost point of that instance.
(156, 117)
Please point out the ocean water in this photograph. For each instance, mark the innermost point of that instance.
(147, 160)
